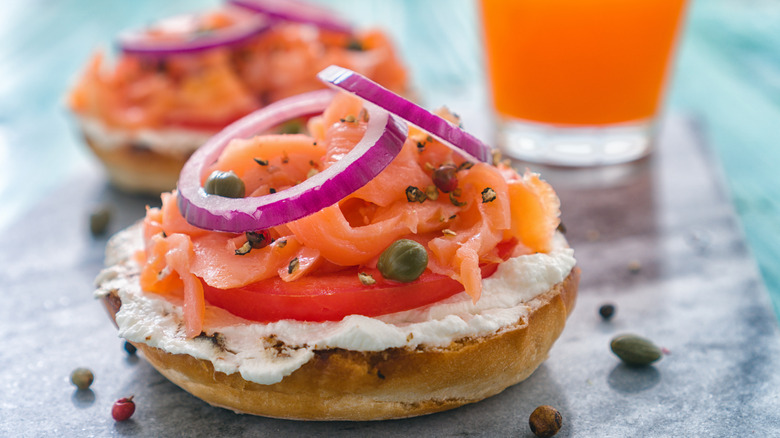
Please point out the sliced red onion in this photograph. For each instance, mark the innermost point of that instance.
(187, 39)
(297, 11)
(459, 140)
(382, 141)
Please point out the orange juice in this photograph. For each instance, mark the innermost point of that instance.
(579, 62)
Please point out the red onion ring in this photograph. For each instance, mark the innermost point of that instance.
(140, 43)
(382, 141)
(456, 138)
(298, 11)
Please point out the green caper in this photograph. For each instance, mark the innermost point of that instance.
(99, 220)
(82, 378)
(226, 184)
(404, 261)
(295, 126)
(635, 350)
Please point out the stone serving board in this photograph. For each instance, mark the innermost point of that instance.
(658, 239)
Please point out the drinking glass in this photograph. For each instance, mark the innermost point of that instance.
(579, 82)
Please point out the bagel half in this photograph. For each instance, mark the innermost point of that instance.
(141, 162)
(340, 384)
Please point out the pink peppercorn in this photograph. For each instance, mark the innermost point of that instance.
(123, 409)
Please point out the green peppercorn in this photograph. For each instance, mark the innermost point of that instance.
(295, 126)
(226, 184)
(82, 378)
(404, 261)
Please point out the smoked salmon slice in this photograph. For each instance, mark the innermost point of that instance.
(493, 208)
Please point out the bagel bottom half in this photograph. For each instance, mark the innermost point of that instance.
(146, 161)
(138, 170)
(338, 384)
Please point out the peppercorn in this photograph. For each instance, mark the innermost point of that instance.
(545, 421)
(444, 177)
(244, 249)
(258, 239)
(123, 409)
(413, 194)
(130, 348)
(607, 311)
(293, 266)
(488, 195)
(82, 378)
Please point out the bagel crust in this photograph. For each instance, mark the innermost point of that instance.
(141, 165)
(340, 384)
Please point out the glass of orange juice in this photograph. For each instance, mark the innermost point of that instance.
(579, 82)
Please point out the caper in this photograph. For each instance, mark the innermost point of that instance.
(635, 350)
(404, 261)
(295, 126)
(226, 184)
(82, 378)
(99, 220)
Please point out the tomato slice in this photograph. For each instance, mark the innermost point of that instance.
(332, 296)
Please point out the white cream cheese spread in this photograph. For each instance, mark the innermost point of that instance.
(254, 349)
(178, 142)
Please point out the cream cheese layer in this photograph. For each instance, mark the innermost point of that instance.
(267, 352)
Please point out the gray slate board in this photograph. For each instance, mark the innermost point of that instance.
(696, 293)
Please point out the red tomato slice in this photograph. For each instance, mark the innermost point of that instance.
(331, 297)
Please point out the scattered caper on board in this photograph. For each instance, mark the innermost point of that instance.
(635, 350)
(99, 220)
(82, 378)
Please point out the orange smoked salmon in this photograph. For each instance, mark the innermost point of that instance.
(208, 89)
(492, 208)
